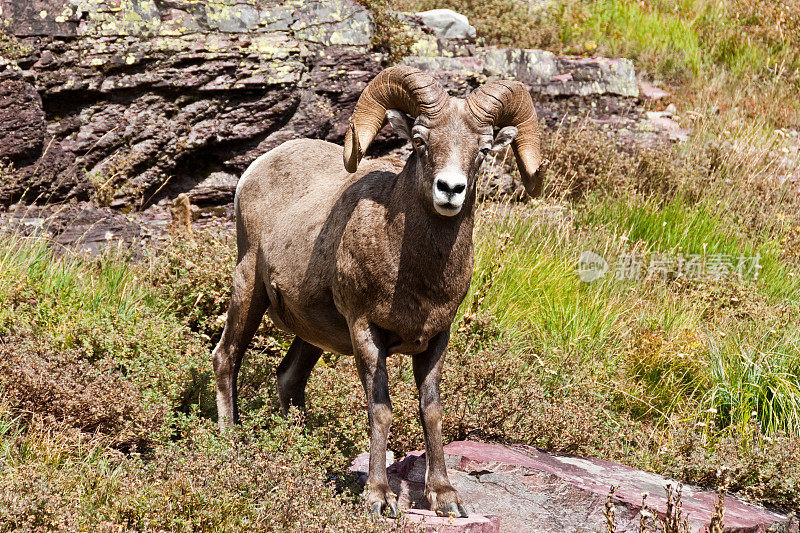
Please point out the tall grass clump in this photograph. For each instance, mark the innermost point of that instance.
(756, 379)
(392, 35)
(534, 290)
(666, 43)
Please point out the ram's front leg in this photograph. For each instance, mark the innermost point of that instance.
(370, 355)
(428, 372)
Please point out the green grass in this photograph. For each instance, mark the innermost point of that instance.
(666, 43)
(699, 230)
(683, 39)
(674, 227)
(535, 291)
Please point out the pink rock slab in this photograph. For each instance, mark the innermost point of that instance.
(535, 491)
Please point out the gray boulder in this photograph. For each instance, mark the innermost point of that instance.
(535, 67)
(543, 71)
(447, 24)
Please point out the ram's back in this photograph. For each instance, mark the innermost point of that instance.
(288, 184)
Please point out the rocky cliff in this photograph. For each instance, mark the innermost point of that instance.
(128, 102)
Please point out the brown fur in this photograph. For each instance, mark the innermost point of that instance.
(357, 264)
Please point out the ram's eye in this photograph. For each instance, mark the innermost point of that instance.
(485, 151)
(418, 142)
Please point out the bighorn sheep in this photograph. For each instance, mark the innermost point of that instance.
(375, 260)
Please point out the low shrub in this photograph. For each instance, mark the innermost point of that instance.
(505, 392)
(91, 396)
(194, 274)
(101, 309)
(763, 469)
(204, 481)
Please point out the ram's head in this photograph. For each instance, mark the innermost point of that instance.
(451, 136)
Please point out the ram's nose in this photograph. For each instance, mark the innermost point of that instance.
(449, 192)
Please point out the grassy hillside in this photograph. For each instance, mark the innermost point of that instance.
(107, 414)
(105, 418)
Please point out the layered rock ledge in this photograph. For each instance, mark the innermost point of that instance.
(129, 102)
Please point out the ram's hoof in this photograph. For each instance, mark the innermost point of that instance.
(391, 510)
(455, 510)
(383, 501)
(445, 501)
(377, 509)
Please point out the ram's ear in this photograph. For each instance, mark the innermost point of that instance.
(504, 138)
(400, 122)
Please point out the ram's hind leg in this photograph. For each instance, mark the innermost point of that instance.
(293, 373)
(246, 309)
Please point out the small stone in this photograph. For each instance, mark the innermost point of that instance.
(671, 110)
(447, 24)
(428, 521)
(649, 91)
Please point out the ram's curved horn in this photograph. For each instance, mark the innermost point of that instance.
(405, 88)
(508, 103)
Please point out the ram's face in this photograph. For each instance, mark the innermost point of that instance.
(450, 149)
